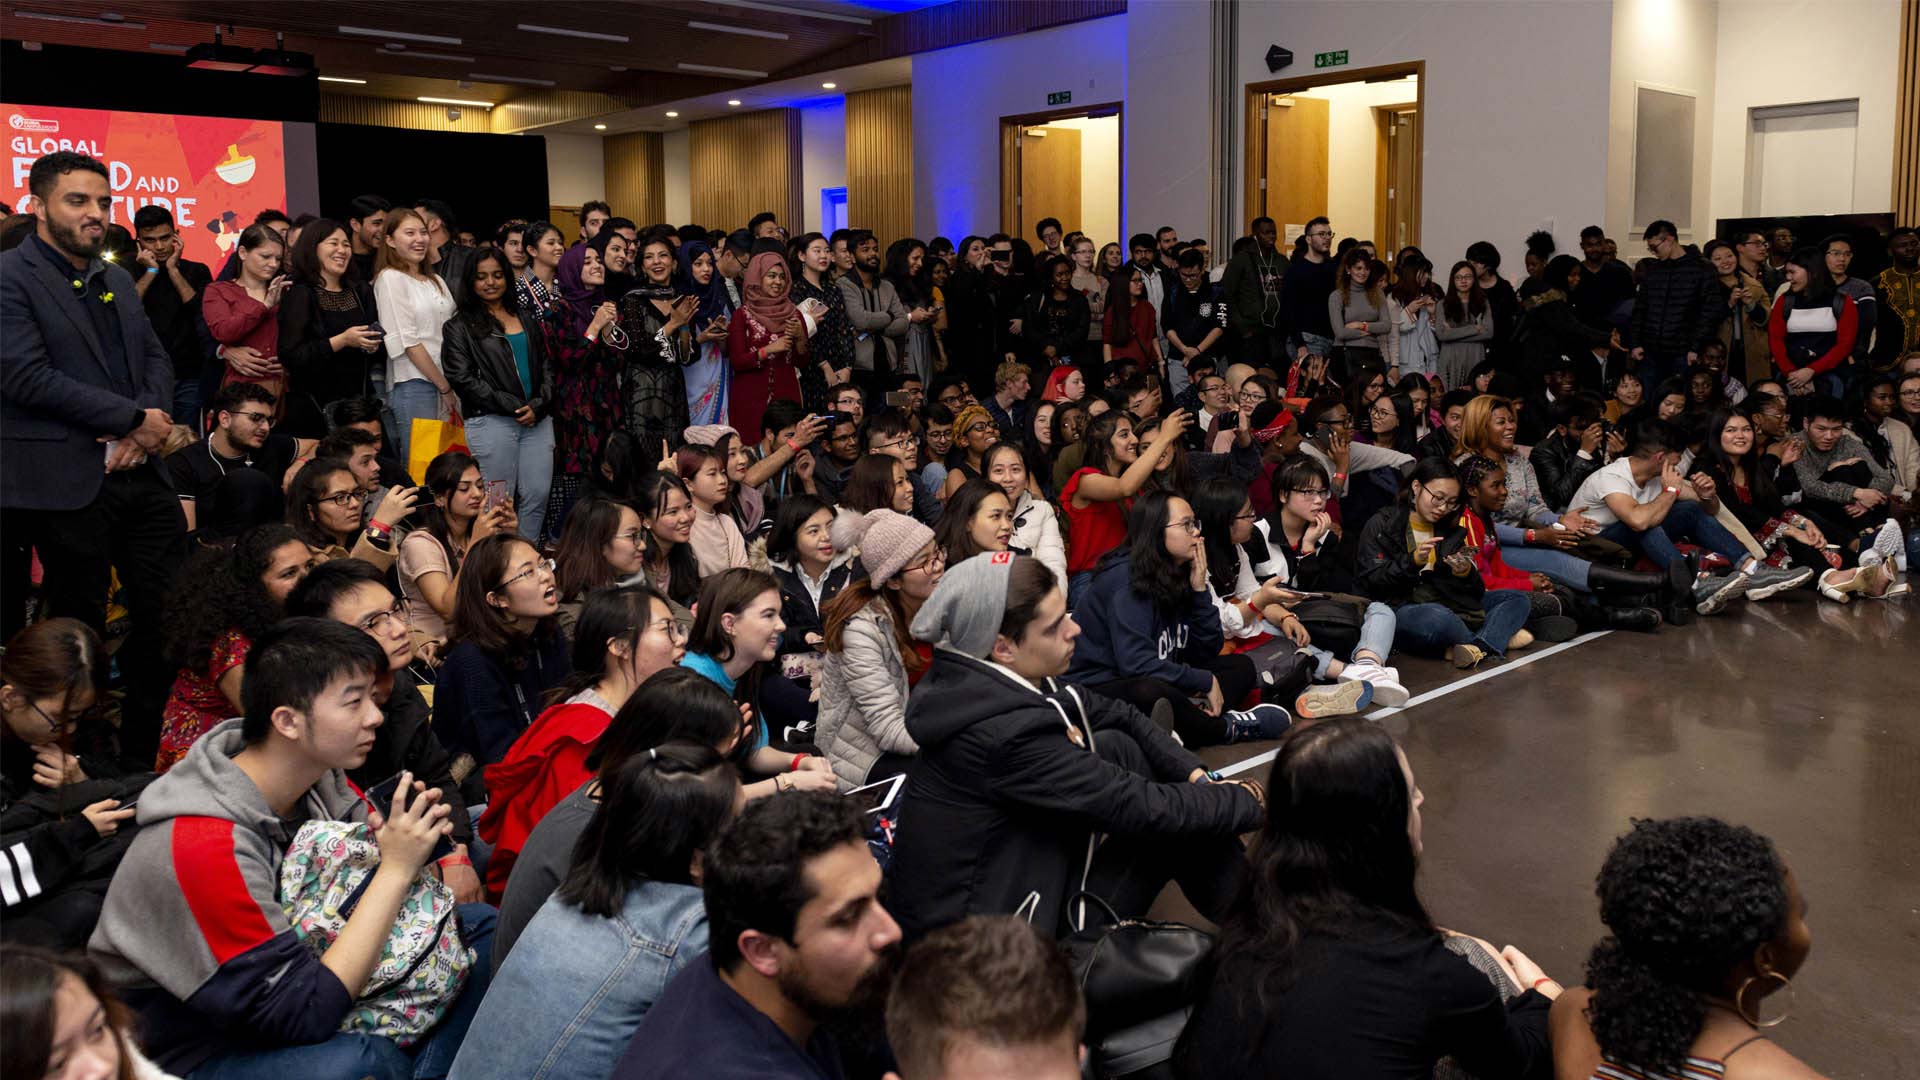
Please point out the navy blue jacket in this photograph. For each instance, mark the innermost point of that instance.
(481, 704)
(57, 394)
(1124, 636)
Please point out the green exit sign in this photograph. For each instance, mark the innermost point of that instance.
(1330, 59)
(1060, 97)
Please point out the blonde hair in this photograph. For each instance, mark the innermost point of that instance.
(1476, 431)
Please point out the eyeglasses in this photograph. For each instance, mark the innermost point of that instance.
(1190, 525)
(256, 417)
(1253, 397)
(982, 425)
(1442, 503)
(1321, 234)
(631, 536)
(1248, 516)
(56, 727)
(545, 565)
(377, 622)
(938, 558)
(1914, 392)
(669, 626)
(905, 440)
(1336, 421)
(1311, 493)
(343, 499)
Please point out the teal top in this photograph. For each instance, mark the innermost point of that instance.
(522, 362)
(712, 669)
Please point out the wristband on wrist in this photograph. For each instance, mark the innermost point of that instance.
(1529, 536)
(794, 765)
(1538, 981)
(376, 525)
(455, 860)
(1671, 490)
(793, 446)
(1339, 477)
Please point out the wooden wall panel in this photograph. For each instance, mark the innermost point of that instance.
(353, 109)
(741, 165)
(636, 176)
(1906, 133)
(880, 162)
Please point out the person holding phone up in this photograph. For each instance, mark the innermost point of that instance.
(245, 312)
(329, 334)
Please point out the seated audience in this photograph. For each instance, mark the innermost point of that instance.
(1842, 482)
(428, 565)
(626, 633)
(1013, 784)
(1577, 443)
(1483, 484)
(1872, 410)
(323, 506)
(1706, 921)
(624, 923)
(242, 438)
(1036, 528)
(600, 545)
(987, 996)
(193, 930)
(977, 517)
(667, 515)
(715, 538)
(1115, 469)
(1327, 963)
(62, 1020)
(507, 652)
(223, 601)
(352, 592)
(870, 658)
(812, 569)
(878, 481)
(974, 430)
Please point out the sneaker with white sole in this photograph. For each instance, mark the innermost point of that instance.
(1891, 543)
(1333, 699)
(1766, 582)
(1387, 688)
(1259, 723)
(1711, 595)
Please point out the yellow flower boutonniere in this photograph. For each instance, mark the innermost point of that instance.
(106, 297)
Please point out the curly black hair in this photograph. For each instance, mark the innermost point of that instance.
(221, 590)
(1687, 900)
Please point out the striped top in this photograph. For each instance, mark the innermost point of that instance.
(1694, 1069)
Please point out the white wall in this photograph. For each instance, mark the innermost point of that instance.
(823, 156)
(576, 171)
(1668, 45)
(1099, 168)
(678, 170)
(1353, 151)
(1167, 62)
(1839, 49)
(960, 94)
(1515, 134)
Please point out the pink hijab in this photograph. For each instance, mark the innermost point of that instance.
(772, 312)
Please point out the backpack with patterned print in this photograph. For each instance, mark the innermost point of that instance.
(423, 964)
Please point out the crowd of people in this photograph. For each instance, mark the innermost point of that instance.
(694, 649)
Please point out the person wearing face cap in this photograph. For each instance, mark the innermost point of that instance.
(1020, 774)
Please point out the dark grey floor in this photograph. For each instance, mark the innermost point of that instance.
(1799, 718)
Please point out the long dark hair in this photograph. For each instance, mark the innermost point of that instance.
(1720, 465)
(1151, 571)
(220, 590)
(1099, 439)
(619, 613)
(870, 483)
(1820, 287)
(794, 511)
(1687, 900)
(1476, 305)
(1334, 850)
(673, 704)
(725, 593)
(1343, 279)
(486, 626)
(954, 529)
(894, 269)
(27, 1009)
(683, 569)
(1216, 504)
(591, 526)
(473, 310)
(304, 264)
(443, 478)
(1120, 303)
(1404, 439)
(303, 500)
(656, 812)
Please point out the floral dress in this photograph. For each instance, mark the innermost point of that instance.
(832, 342)
(586, 382)
(656, 389)
(196, 703)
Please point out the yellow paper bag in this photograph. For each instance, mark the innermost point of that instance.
(430, 439)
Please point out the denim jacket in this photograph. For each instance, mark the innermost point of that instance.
(567, 1000)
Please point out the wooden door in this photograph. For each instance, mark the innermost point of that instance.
(1049, 178)
(1397, 179)
(1296, 176)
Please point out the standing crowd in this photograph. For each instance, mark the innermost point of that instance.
(699, 650)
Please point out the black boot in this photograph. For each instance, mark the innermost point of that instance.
(1602, 578)
(1642, 619)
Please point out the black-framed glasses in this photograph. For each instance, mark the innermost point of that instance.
(256, 417)
(343, 499)
(56, 727)
(669, 626)
(938, 558)
(1190, 525)
(1248, 516)
(538, 566)
(982, 425)
(379, 620)
(1336, 421)
(902, 441)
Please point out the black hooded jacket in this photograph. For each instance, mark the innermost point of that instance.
(1004, 803)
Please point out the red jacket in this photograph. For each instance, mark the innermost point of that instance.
(547, 763)
(1494, 570)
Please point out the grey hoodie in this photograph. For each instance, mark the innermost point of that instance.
(193, 934)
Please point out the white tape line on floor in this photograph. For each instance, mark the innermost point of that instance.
(1437, 693)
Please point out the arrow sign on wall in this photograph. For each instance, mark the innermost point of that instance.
(1278, 57)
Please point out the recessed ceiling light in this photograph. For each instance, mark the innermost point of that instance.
(743, 31)
(561, 31)
(828, 85)
(734, 101)
(599, 127)
(338, 79)
(454, 101)
(478, 77)
(671, 113)
(395, 35)
(402, 50)
(714, 69)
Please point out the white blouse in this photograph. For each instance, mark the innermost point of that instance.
(412, 312)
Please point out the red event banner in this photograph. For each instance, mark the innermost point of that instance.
(214, 173)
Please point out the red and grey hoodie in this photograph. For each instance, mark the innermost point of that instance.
(193, 935)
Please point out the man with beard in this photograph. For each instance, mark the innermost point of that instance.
(86, 383)
(243, 438)
(879, 319)
(798, 942)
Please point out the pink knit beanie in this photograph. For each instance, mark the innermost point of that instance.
(887, 541)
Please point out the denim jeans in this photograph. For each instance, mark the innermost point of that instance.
(1376, 636)
(1432, 629)
(523, 457)
(1688, 521)
(1563, 568)
(1318, 345)
(350, 1056)
(414, 399)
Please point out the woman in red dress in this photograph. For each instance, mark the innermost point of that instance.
(763, 340)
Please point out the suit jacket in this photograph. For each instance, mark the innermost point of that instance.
(56, 396)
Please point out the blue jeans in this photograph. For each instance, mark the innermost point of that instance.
(1376, 636)
(1432, 629)
(414, 399)
(1688, 521)
(523, 457)
(1318, 345)
(351, 1057)
(1563, 568)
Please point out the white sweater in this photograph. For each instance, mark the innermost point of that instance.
(412, 312)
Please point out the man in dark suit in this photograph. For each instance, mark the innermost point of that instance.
(84, 380)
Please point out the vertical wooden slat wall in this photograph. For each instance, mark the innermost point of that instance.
(740, 165)
(1906, 134)
(635, 170)
(383, 112)
(880, 161)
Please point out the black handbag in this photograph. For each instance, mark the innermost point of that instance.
(1333, 622)
(1138, 979)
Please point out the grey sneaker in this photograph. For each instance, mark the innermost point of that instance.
(1768, 582)
(1711, 595)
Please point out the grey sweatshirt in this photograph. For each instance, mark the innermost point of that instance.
(1813, 465)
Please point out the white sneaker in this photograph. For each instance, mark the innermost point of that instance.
(1387, 688)
(1890, 544)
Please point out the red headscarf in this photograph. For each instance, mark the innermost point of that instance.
(772, 312)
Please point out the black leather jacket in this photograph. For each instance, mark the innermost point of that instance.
(1557, 462)
(481, 370)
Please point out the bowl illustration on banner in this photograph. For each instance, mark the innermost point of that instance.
(236, 169)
